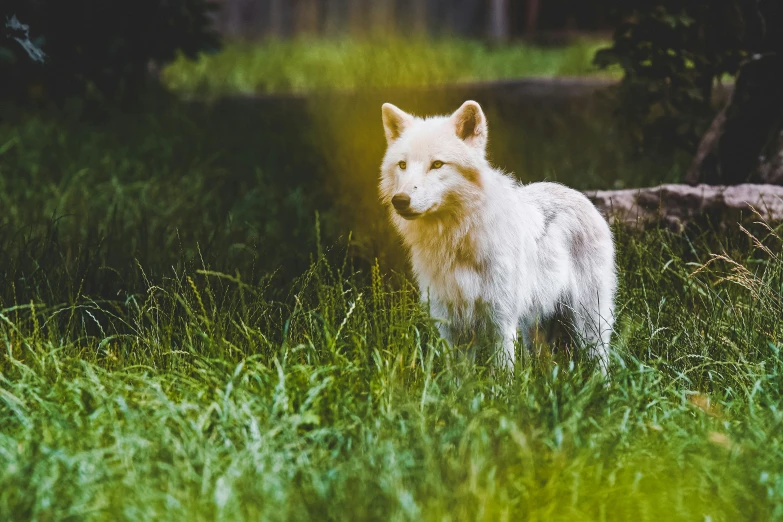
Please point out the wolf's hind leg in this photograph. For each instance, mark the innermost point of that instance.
(593, 322)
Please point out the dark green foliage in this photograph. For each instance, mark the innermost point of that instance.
(98, 46)
(672, 52)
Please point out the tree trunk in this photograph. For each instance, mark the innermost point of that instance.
(276, 18)
(771, 168)
(357, 18)
(705, 163)
(531, 21)
(382, 17)
(334, 16)
(420, 17)
(745, 141)
(498, 20)
(233, 18)
(307, 17)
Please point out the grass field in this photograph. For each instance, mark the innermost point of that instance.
(325, 65)
(201, 398)
(189, 332)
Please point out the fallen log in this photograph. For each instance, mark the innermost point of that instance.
(676, 206)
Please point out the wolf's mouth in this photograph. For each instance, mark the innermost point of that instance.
(408, 215)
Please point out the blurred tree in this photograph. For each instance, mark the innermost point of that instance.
(333, 15)
(276, 15)
(420, 17)
(382, 17)
(307, 16)
(499, 20)
(531, 20)
(94, 46)
(673, 52)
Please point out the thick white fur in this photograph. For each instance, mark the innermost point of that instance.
(490, 254)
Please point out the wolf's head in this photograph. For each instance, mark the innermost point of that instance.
(433, 166)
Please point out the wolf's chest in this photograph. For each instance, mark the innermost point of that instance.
(451, 280)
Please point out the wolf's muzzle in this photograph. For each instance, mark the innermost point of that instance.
(401, 202)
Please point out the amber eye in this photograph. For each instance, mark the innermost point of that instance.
(436, 164)
(402, 165)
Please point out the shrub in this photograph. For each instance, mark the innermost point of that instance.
(93, 46)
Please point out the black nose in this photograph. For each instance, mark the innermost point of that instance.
(401, 201)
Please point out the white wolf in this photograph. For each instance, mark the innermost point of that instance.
(489, 254)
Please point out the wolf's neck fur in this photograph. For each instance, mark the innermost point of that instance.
(449, 239)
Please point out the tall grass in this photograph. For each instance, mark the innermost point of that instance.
(201, 398)
(182, 338)
(300, 66)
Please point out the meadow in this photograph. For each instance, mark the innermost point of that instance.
(205, 316)
(308, 65)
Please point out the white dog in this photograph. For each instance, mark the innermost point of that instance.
(492, 256)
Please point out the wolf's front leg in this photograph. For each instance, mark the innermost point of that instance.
(508, 353)
(445, 331)
(439, 314)
(525, 340)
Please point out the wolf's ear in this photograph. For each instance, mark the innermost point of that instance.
(395, 121)
(471, 124)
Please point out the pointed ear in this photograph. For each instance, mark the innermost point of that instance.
(395, 121)
(471, 124)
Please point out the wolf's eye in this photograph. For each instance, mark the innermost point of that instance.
(436, 164)
(402, 165)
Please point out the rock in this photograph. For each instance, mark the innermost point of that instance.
(676, 206)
